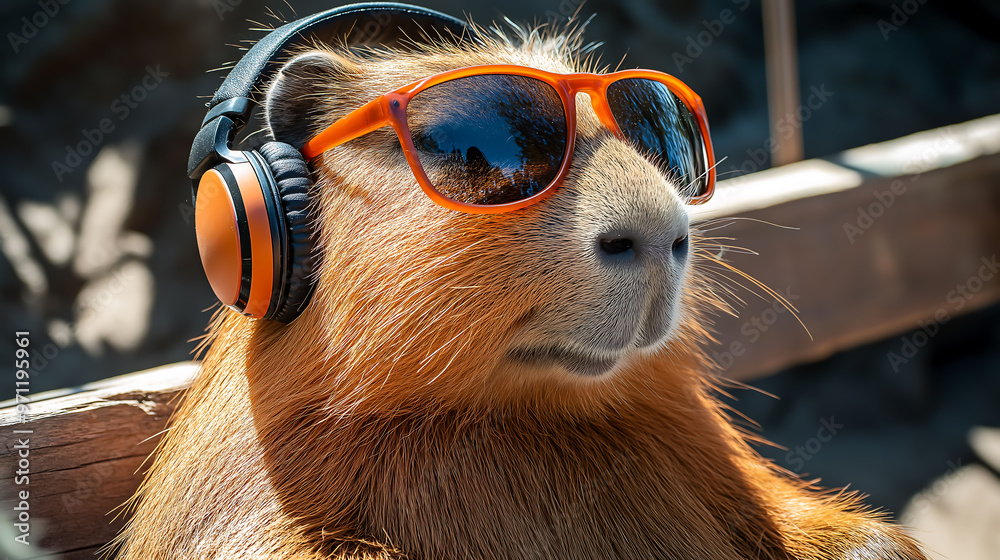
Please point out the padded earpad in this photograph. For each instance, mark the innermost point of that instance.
(293, 180)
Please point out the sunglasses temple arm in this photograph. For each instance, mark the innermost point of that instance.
(367, 118)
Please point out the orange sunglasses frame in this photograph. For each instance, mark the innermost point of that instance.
(390, 109)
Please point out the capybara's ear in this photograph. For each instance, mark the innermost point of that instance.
(307, 94)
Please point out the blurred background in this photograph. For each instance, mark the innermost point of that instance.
(100, 99)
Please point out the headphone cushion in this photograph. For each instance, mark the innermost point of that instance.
(294, 181)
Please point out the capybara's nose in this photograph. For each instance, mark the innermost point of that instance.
(649, 246)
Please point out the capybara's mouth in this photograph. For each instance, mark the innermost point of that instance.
(581, 363)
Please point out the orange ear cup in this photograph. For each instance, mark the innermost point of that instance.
(254, 232)
(235, 238)
(218, 237)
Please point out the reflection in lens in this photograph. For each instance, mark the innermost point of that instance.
(490, 139)
(661, 126)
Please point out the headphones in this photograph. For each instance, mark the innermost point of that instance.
(252, 207)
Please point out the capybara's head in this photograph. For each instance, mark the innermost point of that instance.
(551, 300)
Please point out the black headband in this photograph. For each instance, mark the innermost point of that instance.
(375, 23)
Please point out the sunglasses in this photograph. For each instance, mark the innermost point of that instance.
(491, 139)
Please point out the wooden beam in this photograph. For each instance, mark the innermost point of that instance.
(85, 454)
(782, 66)
(888, 237)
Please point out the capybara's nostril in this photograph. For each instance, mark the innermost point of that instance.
(616, 245)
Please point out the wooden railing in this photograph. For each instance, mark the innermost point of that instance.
(85, 454)
(888, 237)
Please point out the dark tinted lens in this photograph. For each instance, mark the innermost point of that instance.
(662, 126)
(489, 139)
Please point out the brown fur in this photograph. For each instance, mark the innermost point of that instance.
(389, 419)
